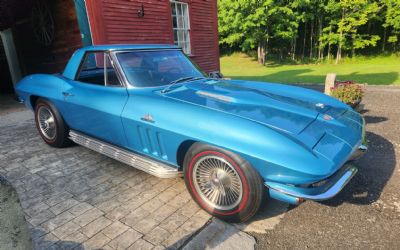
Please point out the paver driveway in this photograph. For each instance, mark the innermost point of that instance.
(76, 198)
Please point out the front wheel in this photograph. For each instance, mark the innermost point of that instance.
(222, 183)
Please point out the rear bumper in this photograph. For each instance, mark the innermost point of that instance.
(323, 190)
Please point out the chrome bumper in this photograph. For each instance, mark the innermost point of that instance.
(359, 152)
(329, 189)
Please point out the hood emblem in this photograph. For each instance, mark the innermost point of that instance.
(327, 117)
(320, 105)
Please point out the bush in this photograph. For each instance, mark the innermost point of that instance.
(348, 92)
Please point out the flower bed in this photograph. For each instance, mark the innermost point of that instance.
(348, 92)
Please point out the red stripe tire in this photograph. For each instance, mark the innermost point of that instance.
(50, 124)
(222, 183)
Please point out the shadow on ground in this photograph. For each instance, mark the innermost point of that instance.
(14, 232)
(46, 242)
(374, 171)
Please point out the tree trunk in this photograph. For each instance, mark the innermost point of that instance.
(320, 51)
(339, 50)
(329, 42)
(329, 51)
(266, 49)
(311, 39)
(304, 40)
(261, 53)
(294, 49)
(384, 40)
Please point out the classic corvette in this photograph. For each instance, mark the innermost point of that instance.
(236, 143)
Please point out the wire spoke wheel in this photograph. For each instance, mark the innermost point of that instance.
(47, 124)
(217, 182)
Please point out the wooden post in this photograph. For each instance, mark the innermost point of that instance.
(11, 55)
(329, 82)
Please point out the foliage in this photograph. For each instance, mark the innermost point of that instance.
(348, 92)
(309, 28)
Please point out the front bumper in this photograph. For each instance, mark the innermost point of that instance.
(323, 190)
(359, 152)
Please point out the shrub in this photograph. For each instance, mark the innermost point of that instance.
(348, 92)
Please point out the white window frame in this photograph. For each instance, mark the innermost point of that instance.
(182, 40)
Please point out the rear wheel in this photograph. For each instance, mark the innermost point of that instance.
(50, 124)
(222, 183)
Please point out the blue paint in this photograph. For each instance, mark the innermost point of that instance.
(278, 129)
(83, 22)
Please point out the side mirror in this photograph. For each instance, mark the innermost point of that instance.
(216, 75)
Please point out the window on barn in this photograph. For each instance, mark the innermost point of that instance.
(181, 25)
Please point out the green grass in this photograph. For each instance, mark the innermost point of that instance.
(381, 70)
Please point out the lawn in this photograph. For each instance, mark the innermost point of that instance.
(372, 70)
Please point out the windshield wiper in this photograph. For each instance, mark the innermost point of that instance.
(182, 79)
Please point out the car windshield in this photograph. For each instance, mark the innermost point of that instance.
(156, 68)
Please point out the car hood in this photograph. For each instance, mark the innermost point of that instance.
(282, 111)
(325, 126)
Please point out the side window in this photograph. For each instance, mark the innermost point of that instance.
(98, 69)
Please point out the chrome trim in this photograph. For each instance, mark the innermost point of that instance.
(46, 122)
(217, 182)
(359, 152)
(331, 192)
(132, 159)
(215, 96)
(147, 118)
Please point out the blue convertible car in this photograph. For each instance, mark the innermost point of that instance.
(234, 142)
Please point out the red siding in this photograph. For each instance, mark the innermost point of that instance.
(204, 33)
(117, 21)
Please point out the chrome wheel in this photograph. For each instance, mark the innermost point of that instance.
(46, 121)
(217, 182)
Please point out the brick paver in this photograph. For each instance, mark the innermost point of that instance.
(74, 198)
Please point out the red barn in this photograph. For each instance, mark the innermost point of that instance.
(41, 35)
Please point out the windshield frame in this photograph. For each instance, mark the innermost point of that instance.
(114, 53)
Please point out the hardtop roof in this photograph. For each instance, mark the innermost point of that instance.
(128, 47)
(75, 60)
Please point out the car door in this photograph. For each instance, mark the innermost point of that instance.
(95, 99)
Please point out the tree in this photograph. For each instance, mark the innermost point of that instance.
(353, 14)
(314, 28)
(253, 23)
(392, 20)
